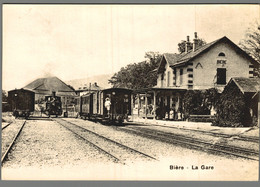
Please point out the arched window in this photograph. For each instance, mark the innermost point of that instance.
(221, 59)
(221, 54)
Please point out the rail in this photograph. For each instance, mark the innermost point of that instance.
(4, 156)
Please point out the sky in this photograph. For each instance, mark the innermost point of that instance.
(79, 41)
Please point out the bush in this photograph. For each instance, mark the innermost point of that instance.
(199, 102)
(232, 109)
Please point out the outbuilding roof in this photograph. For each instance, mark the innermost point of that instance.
(247, 85)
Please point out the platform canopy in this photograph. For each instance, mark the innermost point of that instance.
(152, 89)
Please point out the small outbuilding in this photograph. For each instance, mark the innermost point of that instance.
(239, 102)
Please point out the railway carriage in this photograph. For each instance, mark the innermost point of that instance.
(108, 105)
(21, 102)
(86, 106)
(115, 104)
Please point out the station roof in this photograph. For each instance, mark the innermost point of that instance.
(174, 59)
(159, 89)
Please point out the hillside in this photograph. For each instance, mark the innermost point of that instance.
(101, 80)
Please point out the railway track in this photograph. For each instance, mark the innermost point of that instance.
(6, 125)
(4, 156)
(193, 143)
(215, 134)
(119, 152)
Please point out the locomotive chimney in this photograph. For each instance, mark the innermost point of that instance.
(53, 94)
(89, 86)
(195, 41)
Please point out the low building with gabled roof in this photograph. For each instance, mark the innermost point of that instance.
(46, 86)
(248, 89)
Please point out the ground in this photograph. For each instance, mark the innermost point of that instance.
(47, 150)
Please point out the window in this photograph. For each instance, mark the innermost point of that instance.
(162, 77)
(221, 60)
(181, 77)
(221, 54)
(221, 75)
(168, 78)
(174, 76)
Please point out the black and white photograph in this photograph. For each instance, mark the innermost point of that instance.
(130, 92)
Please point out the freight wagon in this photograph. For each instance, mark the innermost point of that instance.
(21, 102)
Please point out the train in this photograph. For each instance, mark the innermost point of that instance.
(112, 105)
(21, 102)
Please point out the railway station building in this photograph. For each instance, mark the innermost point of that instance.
(198, 68)
(87, 89)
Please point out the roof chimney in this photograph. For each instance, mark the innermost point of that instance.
(195, 41)
(89, 86)
(188, 45)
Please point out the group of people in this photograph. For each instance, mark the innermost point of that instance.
(168, 113)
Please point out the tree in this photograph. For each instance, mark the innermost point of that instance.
(138, 75)
(4, 96)
(182, 45)
(251, 44)
(5, 106)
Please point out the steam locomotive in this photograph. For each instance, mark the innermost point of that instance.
(53, 105)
